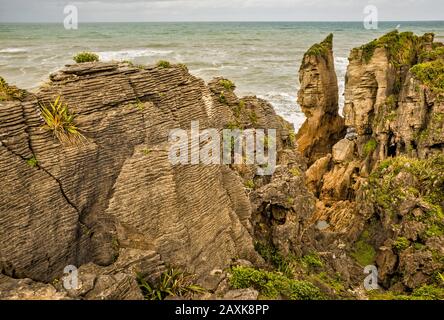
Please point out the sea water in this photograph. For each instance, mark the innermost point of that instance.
(262, 58)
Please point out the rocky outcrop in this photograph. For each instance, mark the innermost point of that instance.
(318, 98)
(114, 206)
(91, 204)
(370, 188)
(391, 109)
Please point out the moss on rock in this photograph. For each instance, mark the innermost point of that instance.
(401, 47)
(321, 49)
(431, 73)
(8, 92)
(273, 285)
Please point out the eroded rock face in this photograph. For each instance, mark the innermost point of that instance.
(88, 205)
(26, 289)
(385, 102)
(118, 209)
(382, 211)
(318, 98)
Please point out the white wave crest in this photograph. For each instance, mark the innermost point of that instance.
(131, 54)
(13, 50)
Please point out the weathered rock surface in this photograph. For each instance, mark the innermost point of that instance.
(384, 212)
(114, 206)
(26, 289)
(89, 205)
(318, 98)
(385, 101)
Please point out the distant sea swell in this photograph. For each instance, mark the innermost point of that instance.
(261, 58)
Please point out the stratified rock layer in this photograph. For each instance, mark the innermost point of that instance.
(318, 98)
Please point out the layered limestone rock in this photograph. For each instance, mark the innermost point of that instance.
(119, 210)
(384, 211)
(391, 109)
(90, 204)
(318, 98)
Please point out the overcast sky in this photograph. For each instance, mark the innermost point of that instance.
(219, 10)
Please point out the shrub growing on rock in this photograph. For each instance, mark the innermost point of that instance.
(227, 84)
(86, 57)
(163, 64)
(61, 122)
(172, 283)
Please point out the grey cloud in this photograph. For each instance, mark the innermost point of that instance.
(204, 10)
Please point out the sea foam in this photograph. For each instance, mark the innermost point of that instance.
(131, 54)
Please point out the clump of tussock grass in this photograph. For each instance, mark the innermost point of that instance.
(61, 122)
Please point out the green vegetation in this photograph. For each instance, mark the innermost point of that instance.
(292, 138)
(227, 84)
(401, 47)
(426, 186)
(312, 261)
(391, 101)
(426, 292)
(8, 92)
(401, 243)
(285, 265)
(334, 283)
(86, 57)
(295, 172)
(440, 278)
(268, 141)
(172, 283)
(239, 108)
(434, 230)
(437, 53)
(369, 147)
(431, 74)
(363, 251)
(253, 117)
(139, 105)
(61, 122)
(368, 50)
(429, 178)
(146, 151)
(249, 184)
(163, 64)
(232, 125)
(130, 63)
(273, 285)
(183, 66)
(32, 162)
(321, 49)
(222, 98)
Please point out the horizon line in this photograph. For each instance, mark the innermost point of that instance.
(222, 21)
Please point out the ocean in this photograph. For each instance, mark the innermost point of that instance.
(262, 58)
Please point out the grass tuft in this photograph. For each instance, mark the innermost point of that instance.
(227, 84)
(164, 64)
(61, 122)
(172, 283)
